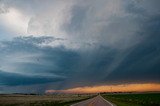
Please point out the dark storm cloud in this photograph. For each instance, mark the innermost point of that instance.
(142, 63)
(108, 42)
(21, 55)
(13, 79)
(76, 68)
(127, 50)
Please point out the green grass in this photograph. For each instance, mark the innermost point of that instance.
(146, 99)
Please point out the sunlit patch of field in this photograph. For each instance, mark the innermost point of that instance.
(139, 99)
(42, 100)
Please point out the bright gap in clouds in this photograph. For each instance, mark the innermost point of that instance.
(15, 21)
(111, 88)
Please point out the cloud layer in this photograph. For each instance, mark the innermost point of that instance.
(78, 43)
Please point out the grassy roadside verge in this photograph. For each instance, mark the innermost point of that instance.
(146, 99)
(42, 100)
(56, 103)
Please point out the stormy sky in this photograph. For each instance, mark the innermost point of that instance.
(62, 44)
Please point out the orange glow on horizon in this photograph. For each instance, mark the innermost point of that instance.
(111, 88)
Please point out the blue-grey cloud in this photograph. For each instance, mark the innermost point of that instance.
(104, 42)
(13, 79)
(76, 68)
(25, 58)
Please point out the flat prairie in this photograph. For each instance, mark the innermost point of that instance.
(134, 99)
(42, 100)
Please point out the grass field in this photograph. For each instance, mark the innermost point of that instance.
(42, 100)
(141, 99)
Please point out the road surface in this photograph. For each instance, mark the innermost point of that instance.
(96, 101)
